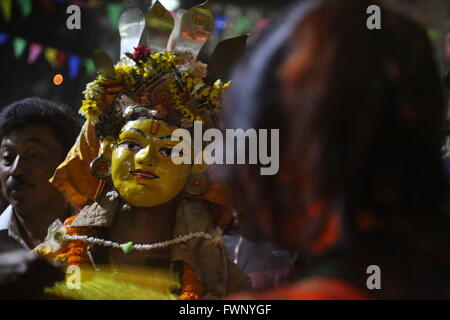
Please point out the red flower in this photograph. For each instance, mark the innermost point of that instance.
(140, 53)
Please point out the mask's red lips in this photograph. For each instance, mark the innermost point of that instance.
(143, 174)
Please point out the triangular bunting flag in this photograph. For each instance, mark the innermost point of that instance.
(61, 58)
(50, 54)
(3, 37)
(89, 65)
(114, 10)
(25, 7)
(74, 66)
(5, 6)
(35, 52)
(19, 45)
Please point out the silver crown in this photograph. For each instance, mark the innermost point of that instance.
(185, 36)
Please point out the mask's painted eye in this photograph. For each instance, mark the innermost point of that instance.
(166, 151)
(130, 145)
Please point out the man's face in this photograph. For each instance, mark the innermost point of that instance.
(28, 158)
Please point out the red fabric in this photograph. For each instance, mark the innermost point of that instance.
(264, 279)
(316, 288)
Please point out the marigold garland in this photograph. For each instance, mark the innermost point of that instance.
(90, 109)
(191, 287)
(77, 253)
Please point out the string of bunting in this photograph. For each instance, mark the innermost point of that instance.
(26, 7)
(56, 58)
(226, 22)
(240, 24)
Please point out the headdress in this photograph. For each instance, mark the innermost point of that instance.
(162, 79)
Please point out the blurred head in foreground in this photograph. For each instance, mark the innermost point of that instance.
(360, 114)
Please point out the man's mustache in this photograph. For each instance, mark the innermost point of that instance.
(18, 182)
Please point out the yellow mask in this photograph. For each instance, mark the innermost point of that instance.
(141, 166)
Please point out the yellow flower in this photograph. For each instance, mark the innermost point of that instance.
(156, 56)
(93, 91)
(204, 92)
(61, 257)
(189, 83)
(163, 61)
(101, 79)
(90, 110)
(214, 96)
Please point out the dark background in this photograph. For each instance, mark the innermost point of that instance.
(46, 25)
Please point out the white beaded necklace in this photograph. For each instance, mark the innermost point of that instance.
(129, 246)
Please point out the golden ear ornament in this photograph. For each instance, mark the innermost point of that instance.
(101, 167)
(198, 184)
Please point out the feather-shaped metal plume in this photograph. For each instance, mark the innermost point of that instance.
(158, 24)
(196, 26)
(104, 64)
(131, 25)
(224, 56)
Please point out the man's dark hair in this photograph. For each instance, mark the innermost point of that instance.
(62, 120)
(446, 79)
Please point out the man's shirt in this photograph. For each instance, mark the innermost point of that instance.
(10, 237)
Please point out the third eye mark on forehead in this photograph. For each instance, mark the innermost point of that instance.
(142, 133)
